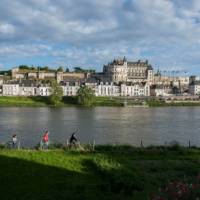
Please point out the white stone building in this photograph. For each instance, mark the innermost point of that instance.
(10, 89)
(28, 91)
(70, 89)
(44, 90)
(135, 89)
(107, 89)
(161, 90)
(194, 88)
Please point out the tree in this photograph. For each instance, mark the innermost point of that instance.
(67, 69)
(60, 69)
(78, 69)
(85, 96)
(45, 68)
(23, 67)
(56, 93)
(81, 70)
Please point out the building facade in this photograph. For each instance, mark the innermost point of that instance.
(194, 88)
(135, 89)
(10, 89)
(33, 74)
(161, 90)
(107, 89)
(70, 88)
(125, 71)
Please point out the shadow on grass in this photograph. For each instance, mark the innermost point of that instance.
(70, 100)
(40, 99)
(22, 180)
(109, 173)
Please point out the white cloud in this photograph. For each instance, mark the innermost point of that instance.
(24, 50)
(6, 28)
(91, 32)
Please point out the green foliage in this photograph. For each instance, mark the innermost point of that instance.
(24, 67)
(85, 96)
(56, 94)
(5, 73)
(23, 101)
(78, 69)
(67, 69)
(161, 103)
(107, 101)
(60, 69)
(81, 70)
(46, 68)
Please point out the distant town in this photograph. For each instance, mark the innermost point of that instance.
(118, 78)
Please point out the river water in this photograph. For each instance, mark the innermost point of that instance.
(105, 125)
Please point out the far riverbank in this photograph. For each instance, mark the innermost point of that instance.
(39, 101)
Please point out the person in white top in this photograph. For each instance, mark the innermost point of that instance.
(14, 140)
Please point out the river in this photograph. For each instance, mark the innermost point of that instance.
(104, 125)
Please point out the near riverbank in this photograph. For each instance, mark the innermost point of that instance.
(40, 101)
(120, 172)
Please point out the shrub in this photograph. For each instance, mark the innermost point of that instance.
(180, 191)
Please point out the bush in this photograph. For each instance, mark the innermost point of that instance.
(180, 191)
(85, 96)
(56, 93)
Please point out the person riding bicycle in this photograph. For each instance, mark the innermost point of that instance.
(73, 140)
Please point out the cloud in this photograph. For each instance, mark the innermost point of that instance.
(92, 32)
(24, 50)
(6, 29)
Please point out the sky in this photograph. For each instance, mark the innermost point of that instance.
(91, 33)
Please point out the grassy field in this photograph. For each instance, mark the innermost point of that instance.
(108, 173)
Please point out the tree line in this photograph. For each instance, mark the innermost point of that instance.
(59, 69)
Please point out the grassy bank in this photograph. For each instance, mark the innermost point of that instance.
(23, 101)
(44, 101)
(157, 103)
(108, 173)
(32, 102)
(98, 101)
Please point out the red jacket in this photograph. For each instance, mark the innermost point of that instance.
(45, 137)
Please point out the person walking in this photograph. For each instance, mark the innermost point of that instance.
(14, 141)
(45, 140)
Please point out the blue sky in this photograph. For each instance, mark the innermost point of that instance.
(90, 33)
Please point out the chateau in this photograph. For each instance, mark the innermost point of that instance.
(121, 70)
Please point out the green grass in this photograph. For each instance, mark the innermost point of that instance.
(44, 102)
(157, 103)
(72, 101)
(120, 172)
(22, 101)
(37, 101)
(107, 101)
